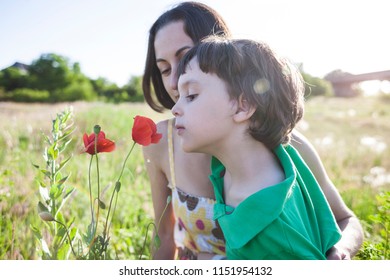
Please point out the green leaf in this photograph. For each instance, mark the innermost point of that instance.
(66, 134)
(41, 184)
(90, 233)
(42, 208)
(54, 192)
(62, 181)
(63, 252)
(44, 192)
(63, 146)
(56, 124)
(53, 152)
(64, 199)
(46, 173)
(60, 217)
(45, 155)
(68, 193)
(46, 139)
(73, 233)
(63, 163)
(36, 231)
(45, 248)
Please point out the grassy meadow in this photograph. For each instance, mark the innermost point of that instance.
(351, 136)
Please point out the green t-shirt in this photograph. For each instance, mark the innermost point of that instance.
(290, 220)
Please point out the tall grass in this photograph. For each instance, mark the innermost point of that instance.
(22, 145)
(351, 136)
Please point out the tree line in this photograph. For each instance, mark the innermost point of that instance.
(53, 78)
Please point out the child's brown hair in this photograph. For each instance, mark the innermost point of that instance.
(269, 83)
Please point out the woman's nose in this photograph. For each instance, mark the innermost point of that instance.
(173, 80)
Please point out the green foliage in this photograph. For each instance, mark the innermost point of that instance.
(315, 86)
(50, 78)
(103, 87)
(54, 192)
(134, 90)
(51, 72)
(53, 78)
(27, 95)
(12, 78)
(6, 226)
(131, 92)
(80, 89)
(63, 80)
(63, 239)
(378, 247)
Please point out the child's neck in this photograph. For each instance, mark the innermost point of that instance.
(250, 168)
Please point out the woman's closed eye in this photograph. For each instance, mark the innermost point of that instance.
(165, 72)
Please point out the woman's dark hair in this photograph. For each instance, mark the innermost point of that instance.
(252, 71)
(199, 21)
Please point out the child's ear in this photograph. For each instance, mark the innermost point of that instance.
(244, 110)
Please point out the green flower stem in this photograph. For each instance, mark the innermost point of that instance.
(169, 199)
(146, 237)
(105, 232)
(113, 211)
(52, 182)
(165, 209)
(67, 233)
(90, 189)
(98, 192)
(124, 163)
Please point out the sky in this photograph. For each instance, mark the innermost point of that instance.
(109, 37)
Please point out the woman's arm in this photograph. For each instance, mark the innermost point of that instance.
(352, 232)
(164, 220)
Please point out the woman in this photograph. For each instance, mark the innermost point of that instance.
(187, 222)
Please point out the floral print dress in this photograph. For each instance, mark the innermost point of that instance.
(195, 230)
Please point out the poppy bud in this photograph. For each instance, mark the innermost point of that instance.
(117, 186)
(46, 216)
(157, 241)
(96, 129)
(44, 213)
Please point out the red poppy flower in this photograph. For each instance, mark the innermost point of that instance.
(145, 131)
(103, 144)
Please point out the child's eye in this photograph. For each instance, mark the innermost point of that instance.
(191, 97)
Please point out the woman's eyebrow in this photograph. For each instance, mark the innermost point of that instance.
(177, 53)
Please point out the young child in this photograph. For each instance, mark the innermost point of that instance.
(239, 102)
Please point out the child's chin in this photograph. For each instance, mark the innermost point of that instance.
(189, 149)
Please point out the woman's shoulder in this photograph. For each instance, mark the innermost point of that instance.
(162, 126)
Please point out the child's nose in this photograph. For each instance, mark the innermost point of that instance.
(176, 109)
